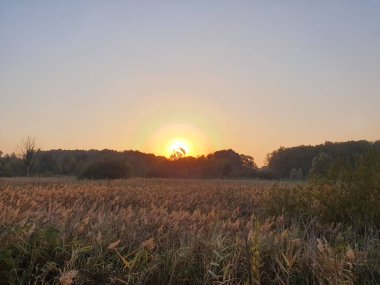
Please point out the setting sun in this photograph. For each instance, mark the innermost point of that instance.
(178, 145)
(164, 140)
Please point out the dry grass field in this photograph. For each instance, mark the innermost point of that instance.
(157, 231)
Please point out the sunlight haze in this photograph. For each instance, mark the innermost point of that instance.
(247, 75)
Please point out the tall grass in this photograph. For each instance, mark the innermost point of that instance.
(156, 231)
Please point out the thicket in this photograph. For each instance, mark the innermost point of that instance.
(108, 169)
(343, 191)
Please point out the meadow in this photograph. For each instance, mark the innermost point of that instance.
(171, 231)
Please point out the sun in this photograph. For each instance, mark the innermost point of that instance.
(163, 139)
(178, 145)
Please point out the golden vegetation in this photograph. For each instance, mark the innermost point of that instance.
(156, 231)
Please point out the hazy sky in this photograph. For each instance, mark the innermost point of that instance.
(247, 75)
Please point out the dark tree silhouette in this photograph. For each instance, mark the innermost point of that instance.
(178, 153)
(283, 160)
(27, 150)
(304, 160)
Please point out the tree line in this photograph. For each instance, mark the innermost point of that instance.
(98, 164)
(301, 161)
(294, 162)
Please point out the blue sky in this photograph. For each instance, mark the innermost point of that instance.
(247, 75)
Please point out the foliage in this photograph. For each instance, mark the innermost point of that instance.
(321, 165)
(296, 174)
(316, 158)
(295, 163)
(221, 164)
(350, 192)
(344, 192)
(111, 169)
(11, 165)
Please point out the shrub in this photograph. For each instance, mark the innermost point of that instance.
(351, 194)
(111, 169)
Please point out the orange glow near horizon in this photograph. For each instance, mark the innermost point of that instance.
(165, 140)
(177, 144)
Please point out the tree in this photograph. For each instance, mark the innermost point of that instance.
(321, 164)
(27, 150)
(178, 153)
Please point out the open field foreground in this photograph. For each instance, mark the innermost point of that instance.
(156, 231)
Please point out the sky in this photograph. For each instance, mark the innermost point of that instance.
(247, 75)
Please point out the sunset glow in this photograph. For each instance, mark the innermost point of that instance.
(167, 138)
(179, 144)
(135, 75)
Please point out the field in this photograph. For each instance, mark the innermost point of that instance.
(157, 231)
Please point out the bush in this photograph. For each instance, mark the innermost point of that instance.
(351, 194)
(111, 169)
